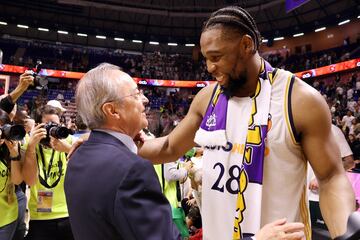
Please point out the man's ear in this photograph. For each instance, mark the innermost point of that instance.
(110, 110)
(247, 44)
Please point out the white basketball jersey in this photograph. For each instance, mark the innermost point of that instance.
(284, 178)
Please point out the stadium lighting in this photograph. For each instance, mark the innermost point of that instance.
(298, 35)
(22, 26)
(278, 38)
(190, 45)
(154, 43)
(358, 16)
(172, 44)
(119, 39)
(344, 22)
(320, 29)
(62, 32)
(100, 37)
(82, 34)
(265, 40)
(136, 41)
(3, 23)
(43, 29)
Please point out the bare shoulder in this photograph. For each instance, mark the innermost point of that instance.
(310, 110)
(201, 100)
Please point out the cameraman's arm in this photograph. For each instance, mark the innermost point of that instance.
(16, 176)
(60, 145)
(30, 170)
(7, 103)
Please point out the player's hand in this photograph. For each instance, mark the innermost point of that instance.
(281, 230)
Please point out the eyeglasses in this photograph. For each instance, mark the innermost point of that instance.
(138, 95)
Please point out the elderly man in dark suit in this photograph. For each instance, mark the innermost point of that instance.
(111, 192)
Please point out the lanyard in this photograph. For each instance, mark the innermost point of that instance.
(46, 172)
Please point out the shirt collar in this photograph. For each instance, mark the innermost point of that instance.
(127, 140)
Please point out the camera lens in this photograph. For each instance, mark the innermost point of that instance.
(59, 132)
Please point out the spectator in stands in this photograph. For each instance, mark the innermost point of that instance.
(347, 119)
(56, 104)
(44, 171)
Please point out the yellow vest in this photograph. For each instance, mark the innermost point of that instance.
(50, 180)
(8, 211)
(169, 190)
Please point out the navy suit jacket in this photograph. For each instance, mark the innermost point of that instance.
(112, 193)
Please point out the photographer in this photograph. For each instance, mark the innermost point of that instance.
(10, 175)
(44, 171)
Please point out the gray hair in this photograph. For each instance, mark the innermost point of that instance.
(94, 89)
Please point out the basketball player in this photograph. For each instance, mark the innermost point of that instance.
(258, 125)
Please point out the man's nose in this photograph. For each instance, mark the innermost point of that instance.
(210, 67)
(144, 99)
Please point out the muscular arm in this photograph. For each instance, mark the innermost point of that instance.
(181, 139)
(314, 125)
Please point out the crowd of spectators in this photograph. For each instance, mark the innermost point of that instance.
(155, 65)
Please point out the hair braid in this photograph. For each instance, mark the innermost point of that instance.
(237, 18)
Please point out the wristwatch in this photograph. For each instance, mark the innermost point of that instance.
(17, 158)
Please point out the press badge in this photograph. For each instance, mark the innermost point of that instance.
(45, 199)
(10, 190)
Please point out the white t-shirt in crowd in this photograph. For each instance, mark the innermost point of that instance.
(347, 120)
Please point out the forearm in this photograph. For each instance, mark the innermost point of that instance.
(337, 201)
(18, 91)
(16, 176)
(158, 151)
(30, 170)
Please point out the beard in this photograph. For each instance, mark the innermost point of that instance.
(234, 84)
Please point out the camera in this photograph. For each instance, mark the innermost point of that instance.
(54, 130)
(40, 82)
(12, 132)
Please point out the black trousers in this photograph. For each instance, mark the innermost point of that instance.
(55, 229)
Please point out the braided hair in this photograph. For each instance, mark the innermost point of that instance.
(236, 18)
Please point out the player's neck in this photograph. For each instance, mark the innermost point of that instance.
(253, 71)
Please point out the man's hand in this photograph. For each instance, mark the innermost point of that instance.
(59, 145)
(38, 133)
(280, 229)
(25, 80)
